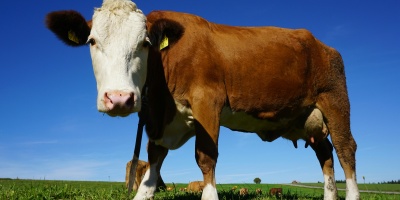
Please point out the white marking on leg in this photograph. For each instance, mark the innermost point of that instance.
(352, 188)
(330, 190)
(148, 185)
(209, 193)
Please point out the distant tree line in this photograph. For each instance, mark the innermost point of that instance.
(383, 182)
(390, 182)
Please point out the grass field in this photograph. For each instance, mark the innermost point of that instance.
(46, 189)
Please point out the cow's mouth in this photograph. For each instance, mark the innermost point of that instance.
(119, 112)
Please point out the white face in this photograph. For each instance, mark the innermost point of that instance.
(119, 56)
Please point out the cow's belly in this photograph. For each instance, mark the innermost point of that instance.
(181, 129)
(309, 124)
(241, 121)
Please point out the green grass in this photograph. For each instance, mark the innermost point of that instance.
(40, 189)
(367, 187)
(85, 190)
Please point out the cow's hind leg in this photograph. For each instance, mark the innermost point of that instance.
(336, 110)
(323, 150)
(148, 186)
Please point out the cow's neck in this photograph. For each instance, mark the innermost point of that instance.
(160, 101)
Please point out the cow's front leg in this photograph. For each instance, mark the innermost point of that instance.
(148, 186)
(206, 117)
(323, 150)
(206, 158)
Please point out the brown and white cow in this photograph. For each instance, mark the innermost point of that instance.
(198, 76)
(275, 191)
(243, 191)
(258, 191)
(195, 186)
(141, 169)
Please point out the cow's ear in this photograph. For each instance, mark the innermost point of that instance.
(164, 33)
(69, 26)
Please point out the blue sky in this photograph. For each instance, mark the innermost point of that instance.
(50, 127)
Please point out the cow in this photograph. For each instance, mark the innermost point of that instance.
(275, 191)
(189, 76)
(258, 191)
(141, 169)
(243, 191)
(195, 186)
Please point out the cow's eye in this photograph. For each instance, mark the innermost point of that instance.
(91, 41)
(147, 42)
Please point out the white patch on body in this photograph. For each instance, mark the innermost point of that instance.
(330, 190)
(209, 193)
(119, 58)
(180, 130)
(148, 185)
(352, 189)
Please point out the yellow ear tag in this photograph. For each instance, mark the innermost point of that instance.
(72, 37)
(164, 42)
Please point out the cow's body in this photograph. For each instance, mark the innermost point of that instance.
(243, 191)
(270, 81)
(141, 168)
(268, 86)
(195, 186)
(275, 191)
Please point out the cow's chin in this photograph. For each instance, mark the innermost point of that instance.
(119, 112)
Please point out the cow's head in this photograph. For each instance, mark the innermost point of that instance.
(118, 43)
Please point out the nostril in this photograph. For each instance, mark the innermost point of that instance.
(130, 102)
(107, 99)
